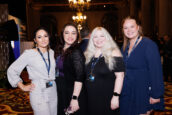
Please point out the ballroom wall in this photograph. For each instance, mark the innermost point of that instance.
(154, 15)
(94, 18)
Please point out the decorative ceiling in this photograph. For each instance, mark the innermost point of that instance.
(18, 7)
(62, 5)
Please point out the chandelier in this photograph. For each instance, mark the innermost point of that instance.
(79, 4)
(79, 18)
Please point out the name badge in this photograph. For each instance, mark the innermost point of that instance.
(49, 84)
(91, 78)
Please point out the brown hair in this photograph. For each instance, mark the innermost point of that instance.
(61, 42)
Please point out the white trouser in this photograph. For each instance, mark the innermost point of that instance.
(43, 100)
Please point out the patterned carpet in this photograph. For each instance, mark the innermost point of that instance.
(16, 102)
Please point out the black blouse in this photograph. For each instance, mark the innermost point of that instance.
(74, 67)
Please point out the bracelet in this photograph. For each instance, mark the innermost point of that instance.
(116, 94)
(74, 97)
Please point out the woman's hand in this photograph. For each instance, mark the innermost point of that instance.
(28, 87)
(154, 101)
(114, 102)
(74, 105)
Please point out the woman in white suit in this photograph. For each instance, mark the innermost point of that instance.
(40, 64)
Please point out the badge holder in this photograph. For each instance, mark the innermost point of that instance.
(49, 84)
(91, 78)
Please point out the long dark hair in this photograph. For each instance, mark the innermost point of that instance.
(61, 42)
(41, 28)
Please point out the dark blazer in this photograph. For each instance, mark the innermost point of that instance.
(83, 44)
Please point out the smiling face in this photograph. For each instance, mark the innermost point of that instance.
(42, 38)
(130, 28)
(69, 35)
(99, 39)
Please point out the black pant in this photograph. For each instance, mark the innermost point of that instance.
(62, 95)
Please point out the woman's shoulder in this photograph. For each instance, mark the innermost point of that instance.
(148, 40)
(29, 51)
(51, 50)
(149, 43)
(77, 51)
(117, 56)
(116, 53)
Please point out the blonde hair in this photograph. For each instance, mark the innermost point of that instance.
(107, 49)
(125, 41)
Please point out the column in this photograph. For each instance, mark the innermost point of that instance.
(164, 17)
(147, 17)
(133, 8)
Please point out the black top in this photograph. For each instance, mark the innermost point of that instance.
(100, 91)
(74, 65)
(74, 70)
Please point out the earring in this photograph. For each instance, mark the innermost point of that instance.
(35, 44)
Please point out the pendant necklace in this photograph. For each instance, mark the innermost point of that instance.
(94, 62)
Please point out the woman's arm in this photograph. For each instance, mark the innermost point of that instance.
(117, 89)
(155, 76)
(15, 69)
(155, 71)
(118, 82)
(119, 73)
(74, 102)
(79, 65)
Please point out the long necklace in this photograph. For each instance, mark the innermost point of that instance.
(94, 62)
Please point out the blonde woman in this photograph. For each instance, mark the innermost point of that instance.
(105, 73)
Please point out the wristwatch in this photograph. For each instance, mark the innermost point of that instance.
(74, 97)
(116, 94)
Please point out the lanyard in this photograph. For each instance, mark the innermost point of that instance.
(128, 55)
(94, 63)
(47, 66)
